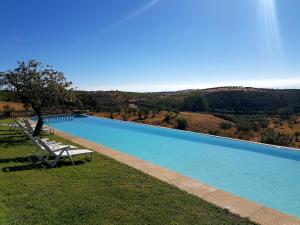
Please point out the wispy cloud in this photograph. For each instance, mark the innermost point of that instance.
(135, 13)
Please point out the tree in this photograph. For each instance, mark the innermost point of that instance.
(38, 85)
(195, 103)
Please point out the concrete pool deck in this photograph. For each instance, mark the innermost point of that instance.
(237, 205)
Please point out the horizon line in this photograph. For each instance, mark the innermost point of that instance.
(287, 83)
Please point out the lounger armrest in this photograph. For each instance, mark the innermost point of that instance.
(62, 150)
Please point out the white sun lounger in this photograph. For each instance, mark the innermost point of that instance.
(30, 127)
(53, 145)
(11, 126)
(23, 128)
(58, 151)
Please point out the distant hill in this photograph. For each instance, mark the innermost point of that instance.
(234, 100)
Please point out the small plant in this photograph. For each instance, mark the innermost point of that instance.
(292, 121)
(175, 114)
(263, 123)
(213, 132)
(111, 115)
(124, 116)
(297, 135)
(146, 113)
(285, 113)
(243, 126)
(133, 112)
(225, 125)
(140, 114)
(167, 118)
(182, 123)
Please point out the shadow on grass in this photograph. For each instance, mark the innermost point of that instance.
(32, 166)
(13, 141)
(9, 132)
(40, 165)
(19, 159)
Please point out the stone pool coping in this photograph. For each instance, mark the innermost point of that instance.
(237, 205)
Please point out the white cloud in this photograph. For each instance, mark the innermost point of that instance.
(136, 13)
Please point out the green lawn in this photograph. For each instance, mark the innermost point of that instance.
(99, 192)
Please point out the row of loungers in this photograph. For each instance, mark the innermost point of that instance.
(47, 149)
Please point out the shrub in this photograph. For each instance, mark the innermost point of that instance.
(243, 126)
(297, 135)
(182, 123)
(213, 132)
(284, 113)
(270, 136)
(111, 115)
(167, 118)
(225, 125)
(175, 113)
(263, 123)
(140, 114)
(146, 113)
(292, 121)
(124, 116)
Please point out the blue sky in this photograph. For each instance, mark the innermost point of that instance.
(154, 45)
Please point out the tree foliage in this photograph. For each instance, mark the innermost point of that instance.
(194, 103)
(270, 136)
(40, 86)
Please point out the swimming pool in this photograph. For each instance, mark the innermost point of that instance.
(264, 174)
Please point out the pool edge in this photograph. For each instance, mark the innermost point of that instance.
(235, 204)
(205, 134)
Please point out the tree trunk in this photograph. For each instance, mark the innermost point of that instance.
(39, 125)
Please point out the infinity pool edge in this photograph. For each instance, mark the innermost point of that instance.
(235, 204)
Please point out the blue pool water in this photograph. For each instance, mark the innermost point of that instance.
(264, 174)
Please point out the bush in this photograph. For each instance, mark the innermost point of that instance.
(167, 118)
(213, 132)
(124, 116)
(263, 123)
(225, 125)
(140, 114)
(297, 135)
(146, 113)
(111, 115)
(182, 123)
(244, 126)
(270, 136)
(284, 113)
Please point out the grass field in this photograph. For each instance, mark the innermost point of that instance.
(99, 192)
